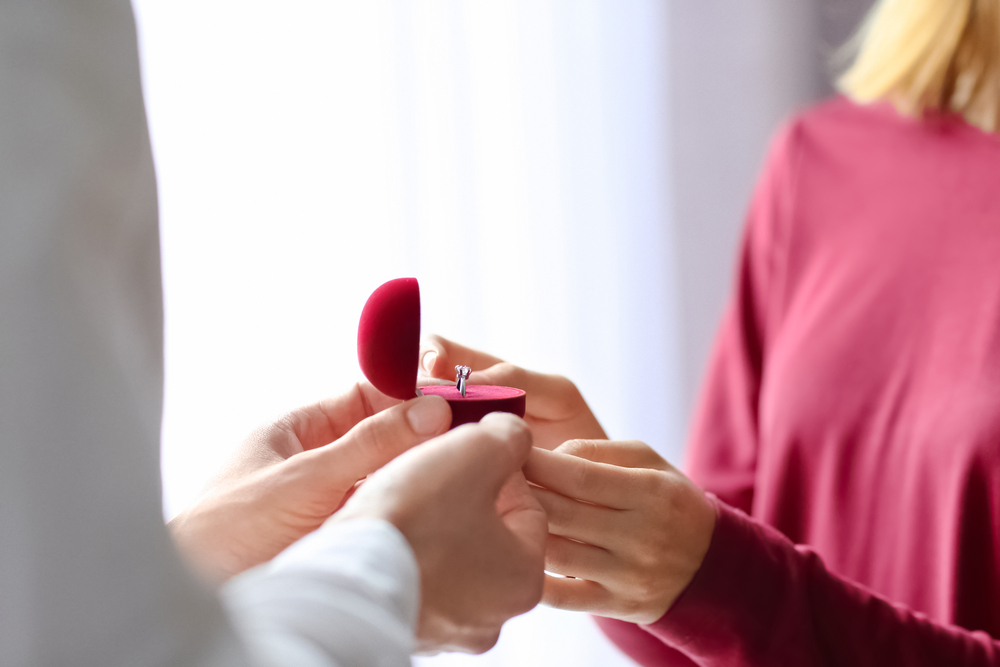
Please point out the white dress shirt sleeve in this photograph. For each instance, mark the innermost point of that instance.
(347, 592)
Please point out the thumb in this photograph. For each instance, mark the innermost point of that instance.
(375, 441)
(491, 451)
(522, 513)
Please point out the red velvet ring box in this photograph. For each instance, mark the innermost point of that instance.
(389, 349)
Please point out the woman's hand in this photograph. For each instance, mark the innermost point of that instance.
(628, 526)
(287, 478)
(556, 411)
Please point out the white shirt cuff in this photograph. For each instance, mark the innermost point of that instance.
(346, 594)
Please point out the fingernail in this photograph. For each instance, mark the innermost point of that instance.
(429, 415)
(427, 360)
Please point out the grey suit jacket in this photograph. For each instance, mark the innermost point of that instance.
(88, 572)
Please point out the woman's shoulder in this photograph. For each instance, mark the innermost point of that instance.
(836, 124)
(840, 126)
(840, 109)
(832, 124)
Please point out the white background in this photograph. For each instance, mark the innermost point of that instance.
(510, 154)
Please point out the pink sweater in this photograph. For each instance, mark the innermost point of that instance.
(853, 404)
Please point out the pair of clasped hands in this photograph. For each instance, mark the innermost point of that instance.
(486, 508)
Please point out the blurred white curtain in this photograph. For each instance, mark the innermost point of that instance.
(511, 154)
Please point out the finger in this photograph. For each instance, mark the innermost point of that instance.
(576, 595)
(375, 441)
(428, 381)
(570, 518)
(576, 559)
(551, 397)
(515, 495)
(468, 465)
(310, 426)
(477, 459)
(522, 514)
(323, 422)
(499, 455)
(622, 453)
(439, 356)
(600, 483)
(350, 492)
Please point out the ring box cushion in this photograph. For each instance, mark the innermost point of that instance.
(479, 401)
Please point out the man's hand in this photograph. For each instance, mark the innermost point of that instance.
(477, 532)
(288, 477)
(629, 527)
(556, 411)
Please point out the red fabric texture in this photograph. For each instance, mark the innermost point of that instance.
(389, 338)
(852, 404)
(479, 401)
(791, 611)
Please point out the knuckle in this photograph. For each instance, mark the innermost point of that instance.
(557, 557)
(530, 594)
(582, 479)
(564, 386)
(646, 557)
(568, 393)
(361, 396)
(562, 512)
(591, 481)
(638, 590)
(509, 374)
(380, 437)
(279, 439)
(502, 426)
(517, 425)
(650, 457)
(609, 484)
(654, 484)
(576, 448)
(434, 341)
(555, 596)
(287, 422)
(630, 607)
(485, 642)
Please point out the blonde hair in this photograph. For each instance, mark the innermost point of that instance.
(930, 56)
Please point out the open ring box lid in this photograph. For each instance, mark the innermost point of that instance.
(389, 354)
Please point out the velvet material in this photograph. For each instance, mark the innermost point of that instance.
(759, 600)
(479, 401)
(389, 349)
(389, 338)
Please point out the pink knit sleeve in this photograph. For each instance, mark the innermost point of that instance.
(758, 599)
